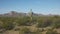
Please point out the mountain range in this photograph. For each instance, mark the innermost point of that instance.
(16, 14)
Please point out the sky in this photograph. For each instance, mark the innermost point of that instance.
(37, 6)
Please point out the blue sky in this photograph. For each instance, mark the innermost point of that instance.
(38, 6)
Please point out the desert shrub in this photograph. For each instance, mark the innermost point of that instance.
(38, 31)
(25, 31)
(44, 22)
(16, 29)
(56, 23)
(50, 31)
(8, 26)
(7, 23)
(1, 32)
(23, 21)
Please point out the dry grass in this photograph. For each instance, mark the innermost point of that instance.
(32, 28)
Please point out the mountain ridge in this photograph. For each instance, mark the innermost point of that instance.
(16, 14)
